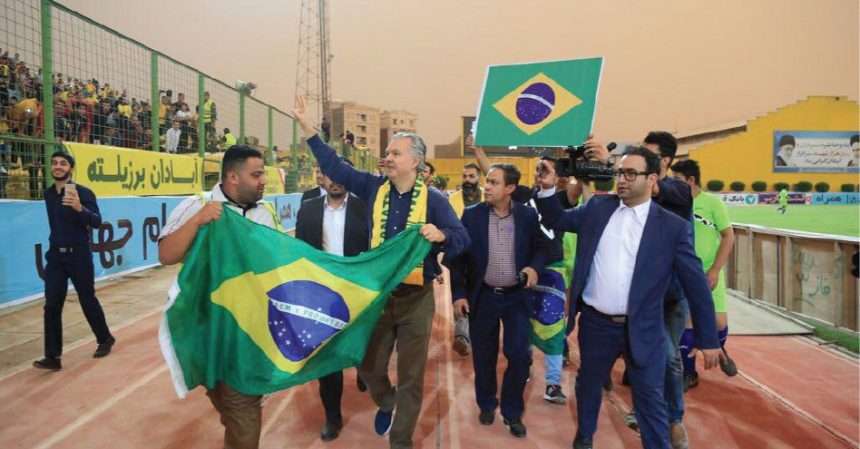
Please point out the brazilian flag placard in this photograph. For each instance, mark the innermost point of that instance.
(544, 104)
(263, 311)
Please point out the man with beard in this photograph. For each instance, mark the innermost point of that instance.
(243, 180)
(336, 223)
(470, 193)
(72, 214)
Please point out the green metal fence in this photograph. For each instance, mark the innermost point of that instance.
(65, 77)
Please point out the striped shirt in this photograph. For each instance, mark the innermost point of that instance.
(501, 266)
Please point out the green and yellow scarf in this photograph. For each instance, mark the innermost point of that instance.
(417, 217)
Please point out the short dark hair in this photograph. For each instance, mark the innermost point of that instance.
(235, 157)
(68, 157)
(665, 141)
(474, 166)
(510, 171)
(787, 139)
(854, 139)
(431, 167)
(551, 160)
(690, 169)
(652, 161)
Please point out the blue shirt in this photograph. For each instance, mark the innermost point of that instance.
(366, 185)
(68, 227)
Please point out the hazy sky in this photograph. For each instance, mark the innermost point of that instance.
(678, 65)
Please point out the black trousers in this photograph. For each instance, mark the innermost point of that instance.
(76, 265)
(331, 391)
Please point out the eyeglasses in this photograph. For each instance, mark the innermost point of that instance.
(630, 174)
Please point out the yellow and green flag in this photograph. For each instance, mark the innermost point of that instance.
(263, 311)
(541, 104)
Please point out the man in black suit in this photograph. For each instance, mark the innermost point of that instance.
(338, 224)
(317, 191)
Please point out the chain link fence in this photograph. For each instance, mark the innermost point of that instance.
(107, 89)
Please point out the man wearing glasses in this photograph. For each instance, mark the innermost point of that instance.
(676, 197)
(629, 249)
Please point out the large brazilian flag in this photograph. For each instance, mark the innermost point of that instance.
(263, 311)
(543, 104)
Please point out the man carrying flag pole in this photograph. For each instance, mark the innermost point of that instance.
(398, 200)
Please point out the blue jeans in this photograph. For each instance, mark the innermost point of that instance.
(552, 365)
(675, 314)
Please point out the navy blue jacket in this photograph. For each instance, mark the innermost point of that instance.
(68, 227)
(365, 186)
(665, 249)
(531, 249)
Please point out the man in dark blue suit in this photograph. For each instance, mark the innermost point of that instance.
(506, 252)
(627, 251)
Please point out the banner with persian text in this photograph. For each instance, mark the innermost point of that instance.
(114, 171)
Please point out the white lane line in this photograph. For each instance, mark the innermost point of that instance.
(278, 410)
(86, 341)
(101, 408)
(795, 408)
(453, 421)
(831, 352)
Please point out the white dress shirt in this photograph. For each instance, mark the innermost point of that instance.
(607, 287)
(334, 224)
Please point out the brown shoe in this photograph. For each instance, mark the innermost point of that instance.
(461, 346)
(678, 434)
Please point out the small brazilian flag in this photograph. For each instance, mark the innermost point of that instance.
(544, 104)
(546, 309)
(263, 311)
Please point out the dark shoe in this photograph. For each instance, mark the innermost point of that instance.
(631, 421)
(359, 383)
(582, 443)
(678, 435)
(461, 346)
(728, 365)
(104, 348)
(554, 394)
(382, 422)
(517, 428)
(48, 363)
(487, 417)
(330, 431)
(691, 380)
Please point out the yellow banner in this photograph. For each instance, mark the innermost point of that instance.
(114, 171)
(274, 180)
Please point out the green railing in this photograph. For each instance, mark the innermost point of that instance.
(74, 79)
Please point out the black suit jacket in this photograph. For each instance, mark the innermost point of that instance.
(356, 239)
(316, 192)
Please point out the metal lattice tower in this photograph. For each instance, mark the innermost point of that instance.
(313, 68)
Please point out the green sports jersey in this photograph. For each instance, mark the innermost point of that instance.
(711, 217)
(783, 196)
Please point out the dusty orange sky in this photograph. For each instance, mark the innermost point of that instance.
(678, 65)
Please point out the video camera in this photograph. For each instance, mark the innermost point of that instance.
(576, 164)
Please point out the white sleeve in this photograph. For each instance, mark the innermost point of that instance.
(546, 193)
(180, 215)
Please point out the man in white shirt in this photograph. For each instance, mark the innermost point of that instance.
(172, 137)
(628, 249)
(337, 223)
(243, 180)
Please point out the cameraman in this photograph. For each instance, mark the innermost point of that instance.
(675, 196)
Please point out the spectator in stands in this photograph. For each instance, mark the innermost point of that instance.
(229, 138)
(173, 136)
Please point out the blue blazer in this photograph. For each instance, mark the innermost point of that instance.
(531, 249)
(665, 249)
